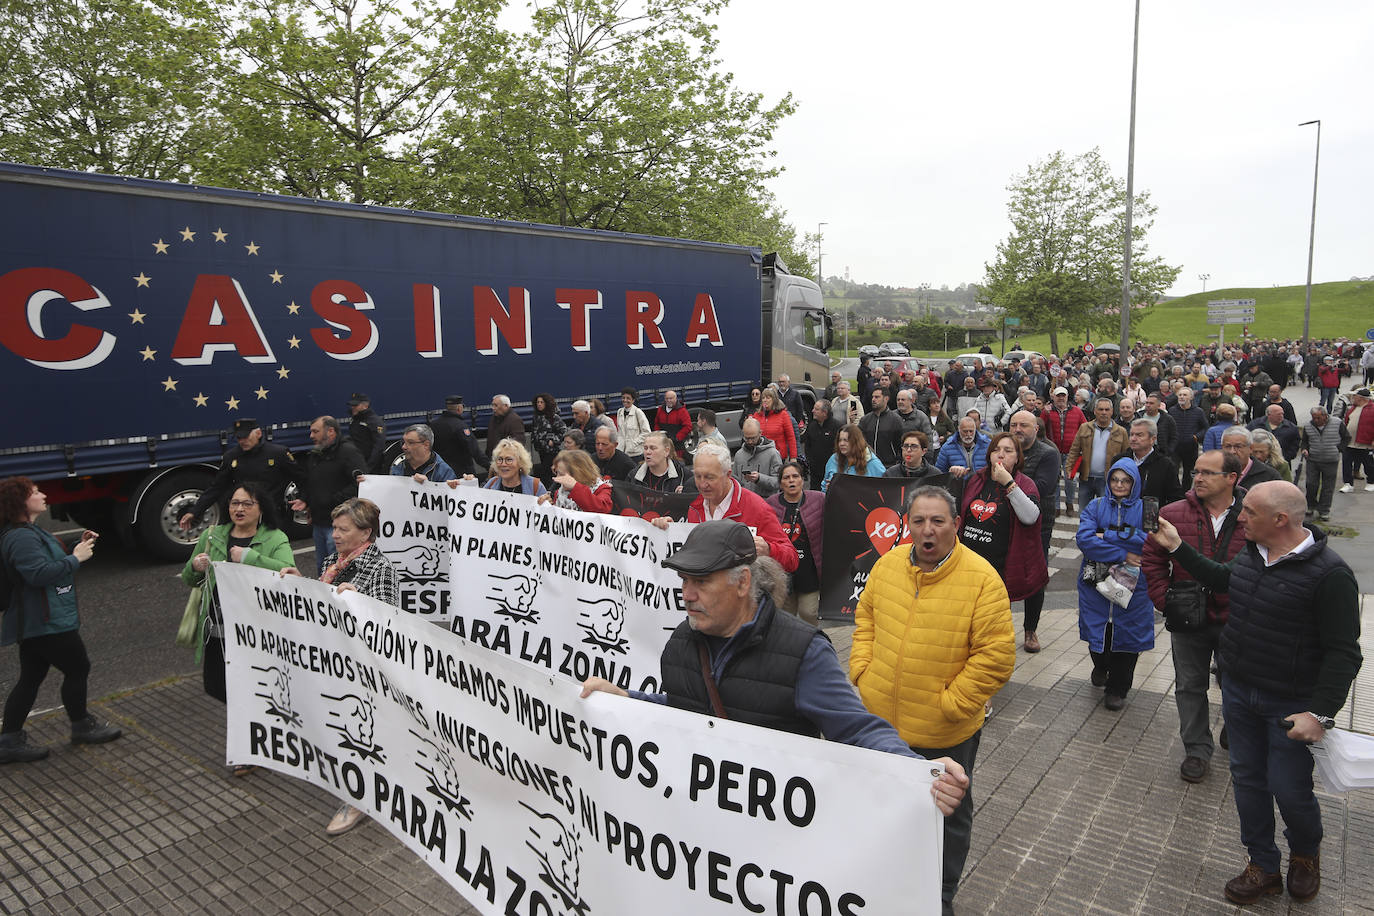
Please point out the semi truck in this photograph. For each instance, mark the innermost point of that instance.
(139, 319)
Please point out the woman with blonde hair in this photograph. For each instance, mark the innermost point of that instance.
(357, 564)
(1264, 447)
(852, 456)
(579, 484)
(511, 469)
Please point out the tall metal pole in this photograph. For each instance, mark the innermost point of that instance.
(1204, 278)
(820, 274)
(1130, 204)
(1312, 235)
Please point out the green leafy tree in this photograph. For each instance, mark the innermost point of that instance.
(616, 114)
(334, 98)
(1060, 268)
(118, 86)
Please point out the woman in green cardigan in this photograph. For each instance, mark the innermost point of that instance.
(251, 536)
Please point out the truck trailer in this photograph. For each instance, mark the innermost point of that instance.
(139, 319)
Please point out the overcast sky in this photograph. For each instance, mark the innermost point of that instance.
(914, 117)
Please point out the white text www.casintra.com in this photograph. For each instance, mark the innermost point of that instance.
(689, 366)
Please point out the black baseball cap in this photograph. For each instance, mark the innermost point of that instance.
(243, 428)
(358, 398)
(453, 399)
(713, 546)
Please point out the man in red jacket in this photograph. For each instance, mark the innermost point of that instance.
(719, 495)
(673, 419)
(1208, 518)
(1062, 420)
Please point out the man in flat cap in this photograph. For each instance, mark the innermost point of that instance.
(253, 458)
(766, 668)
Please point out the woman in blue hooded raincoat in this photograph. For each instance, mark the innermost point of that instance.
(1109, 532)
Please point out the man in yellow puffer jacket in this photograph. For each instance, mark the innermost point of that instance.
(933, 641)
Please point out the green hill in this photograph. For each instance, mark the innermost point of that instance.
(1344, 309)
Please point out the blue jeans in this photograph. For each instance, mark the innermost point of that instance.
(324, 545)
(1092, 488)
(1328, 399)
(1267, 767)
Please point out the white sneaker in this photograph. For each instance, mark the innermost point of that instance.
(1348, 488)
(1369, 488)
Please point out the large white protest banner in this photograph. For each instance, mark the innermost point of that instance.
(530, 800)
(577, 593)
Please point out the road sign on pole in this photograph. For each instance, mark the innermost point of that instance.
(1088, 348)
(1369, 335)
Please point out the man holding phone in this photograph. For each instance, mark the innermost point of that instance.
(1288, 652)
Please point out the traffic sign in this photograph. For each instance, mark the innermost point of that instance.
(1012, 322)
(1369, 335)
(1238, 318)
(1088, 348)
(1213, 304)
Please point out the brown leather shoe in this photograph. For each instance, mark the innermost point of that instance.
(1304, 876)
(1252, 884)
(1032, 642)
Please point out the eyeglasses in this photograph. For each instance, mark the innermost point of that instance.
(242, 503)
(505, 459)
(910, 446)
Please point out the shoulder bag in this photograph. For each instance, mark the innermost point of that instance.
(1185, 603)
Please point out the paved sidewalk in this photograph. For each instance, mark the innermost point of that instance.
(1079, 810)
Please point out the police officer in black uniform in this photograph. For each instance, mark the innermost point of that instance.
(367, 431)
(454, 441)
(253, 458)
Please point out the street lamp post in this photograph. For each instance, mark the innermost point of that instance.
(820, 274)
(1204, 278)
(1130, 201)
(1312, 235)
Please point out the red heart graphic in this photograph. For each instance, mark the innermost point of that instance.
(982, 510)
(883, 527)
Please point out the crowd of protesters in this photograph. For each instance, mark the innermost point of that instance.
(1014, 443)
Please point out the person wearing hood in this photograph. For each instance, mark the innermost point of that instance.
(1110, 532)
(757, 461)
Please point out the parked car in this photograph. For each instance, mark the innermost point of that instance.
(868, 350)
(1024, 355)
(977, 361)
(893, 348)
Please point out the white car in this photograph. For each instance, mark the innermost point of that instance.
(977, 361)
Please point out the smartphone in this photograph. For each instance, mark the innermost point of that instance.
(1150, 521)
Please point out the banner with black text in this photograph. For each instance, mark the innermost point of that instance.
(576, 592)
(530, 800)
(863, 521)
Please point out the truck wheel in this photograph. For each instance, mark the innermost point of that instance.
(164, 503)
